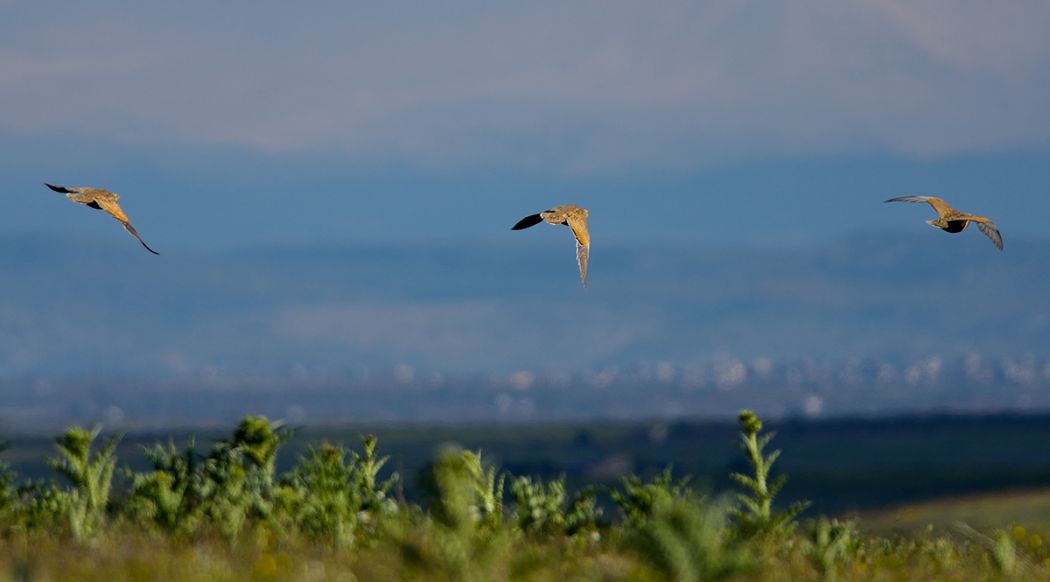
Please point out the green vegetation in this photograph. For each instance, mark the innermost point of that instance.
(755, 515)
(226, 513)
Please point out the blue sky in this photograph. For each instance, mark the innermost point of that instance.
(235, 123)
(228, 124)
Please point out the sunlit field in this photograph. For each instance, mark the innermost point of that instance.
(223, 511)
(541, 291)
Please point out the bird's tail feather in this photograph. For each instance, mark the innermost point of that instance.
(135, 233)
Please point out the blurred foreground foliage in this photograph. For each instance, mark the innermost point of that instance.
(223, 513)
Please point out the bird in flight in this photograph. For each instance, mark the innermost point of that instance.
(575, 218)
(101, 200)
(953, 221)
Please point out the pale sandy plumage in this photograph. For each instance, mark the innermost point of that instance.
(101, 200)
(575, 218)
(953, 221)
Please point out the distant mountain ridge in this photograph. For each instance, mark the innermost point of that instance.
(866, 323)
(86, 308)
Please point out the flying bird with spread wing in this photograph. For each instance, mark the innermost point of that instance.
(101, 200)
(575, 218)
(953, 221)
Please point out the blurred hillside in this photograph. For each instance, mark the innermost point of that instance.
(841, 464)
(871, 323)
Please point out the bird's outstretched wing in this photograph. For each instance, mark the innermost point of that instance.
(579, 229)
(578, 225)
(60, 189)
(583, 252)
(528, 221)
(990, 231)
(114, 210)
(940, 206)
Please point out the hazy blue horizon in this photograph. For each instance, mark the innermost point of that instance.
(333, 186)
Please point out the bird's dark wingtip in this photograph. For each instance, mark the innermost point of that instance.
(528, 221)
(58, 189)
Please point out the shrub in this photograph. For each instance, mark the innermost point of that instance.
(90, 475)
(170, 496)
(42, 507)
(637, 499)
(8, 494)
(831, 542)
(462, 491)
(223, 491)
(331, 492)
(538, 505)
(683, 538)
(755, 514)
(463, 534)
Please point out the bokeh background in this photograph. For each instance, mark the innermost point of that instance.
(331, 187)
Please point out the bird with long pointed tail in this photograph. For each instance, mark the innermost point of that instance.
(104, 200)
(575, 218)
(954, 221)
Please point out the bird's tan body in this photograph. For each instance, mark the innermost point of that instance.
(572, 216)
(104, 200)
(575, 217)
(953, 221)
